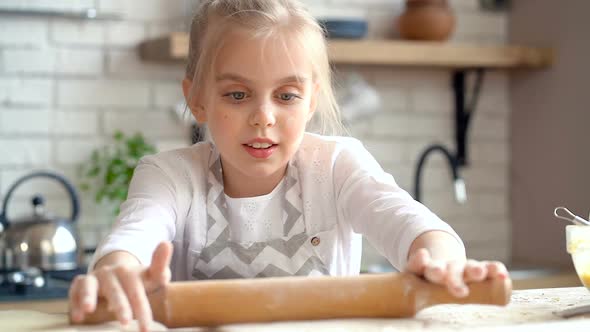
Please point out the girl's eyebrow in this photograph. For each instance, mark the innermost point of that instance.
(238, 78)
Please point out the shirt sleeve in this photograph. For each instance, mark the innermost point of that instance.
(370, 199)
(147, 217)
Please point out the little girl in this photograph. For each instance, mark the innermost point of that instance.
(263, 197)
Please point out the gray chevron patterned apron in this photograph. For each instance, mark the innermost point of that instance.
(225, 258)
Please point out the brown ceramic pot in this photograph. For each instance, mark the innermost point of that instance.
(426, 20)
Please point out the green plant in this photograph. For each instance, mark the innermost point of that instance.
(110, 168)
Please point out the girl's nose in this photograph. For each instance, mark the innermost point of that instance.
(263, 116)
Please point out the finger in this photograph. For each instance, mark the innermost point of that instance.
(474, 271)
(137, 297)
(112, 291)
(418, 261)
(82, 296)
(454, 279)
(158, 272)
(76, 312)
(88, 293)
(496, 269)
(436, 271)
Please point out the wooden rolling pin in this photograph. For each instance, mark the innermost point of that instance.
(218, 302)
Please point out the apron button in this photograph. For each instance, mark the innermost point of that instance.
(315, 241)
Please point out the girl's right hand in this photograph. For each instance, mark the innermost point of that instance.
(124, 288)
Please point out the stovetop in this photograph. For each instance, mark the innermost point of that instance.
(56, 286)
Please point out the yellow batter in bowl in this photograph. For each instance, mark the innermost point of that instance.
(578, 245)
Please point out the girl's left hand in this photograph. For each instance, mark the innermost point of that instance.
(455, 275)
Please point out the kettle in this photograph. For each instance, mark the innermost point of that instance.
(41, 240)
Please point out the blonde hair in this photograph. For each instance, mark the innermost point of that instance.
(264, 18)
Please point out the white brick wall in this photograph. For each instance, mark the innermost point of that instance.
(25, 91)
(53, 61)
(25, 151)
(74, 151)
(104, 93)
(47, 4)
(23, 32)
(66, 85)
(20, 122)
(72, 123)
(125, 34)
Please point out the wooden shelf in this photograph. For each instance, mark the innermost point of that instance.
(174, 47)
(437, 54)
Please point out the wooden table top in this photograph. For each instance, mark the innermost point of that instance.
(529, 309)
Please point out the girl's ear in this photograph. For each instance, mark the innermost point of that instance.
(193, 101)
(314, 100)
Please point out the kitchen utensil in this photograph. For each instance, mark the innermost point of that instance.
(41, 240)
(218, 302)
(570, 216)
(574, 311)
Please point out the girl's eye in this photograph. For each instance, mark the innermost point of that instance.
(288, 96)
(237, 95)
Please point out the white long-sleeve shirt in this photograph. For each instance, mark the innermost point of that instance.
(345, 194)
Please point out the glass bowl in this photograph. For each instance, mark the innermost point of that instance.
(578, 245)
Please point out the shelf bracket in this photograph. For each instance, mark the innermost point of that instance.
(464, 109)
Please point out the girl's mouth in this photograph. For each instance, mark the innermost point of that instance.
(258, 145)
(260, 150)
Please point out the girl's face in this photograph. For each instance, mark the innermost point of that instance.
(261, 98)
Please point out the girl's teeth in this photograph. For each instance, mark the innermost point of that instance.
(260, 145)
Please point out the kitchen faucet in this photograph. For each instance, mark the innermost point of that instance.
(463, 113)
(459, 184)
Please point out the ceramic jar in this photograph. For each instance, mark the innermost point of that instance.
(426, 20)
